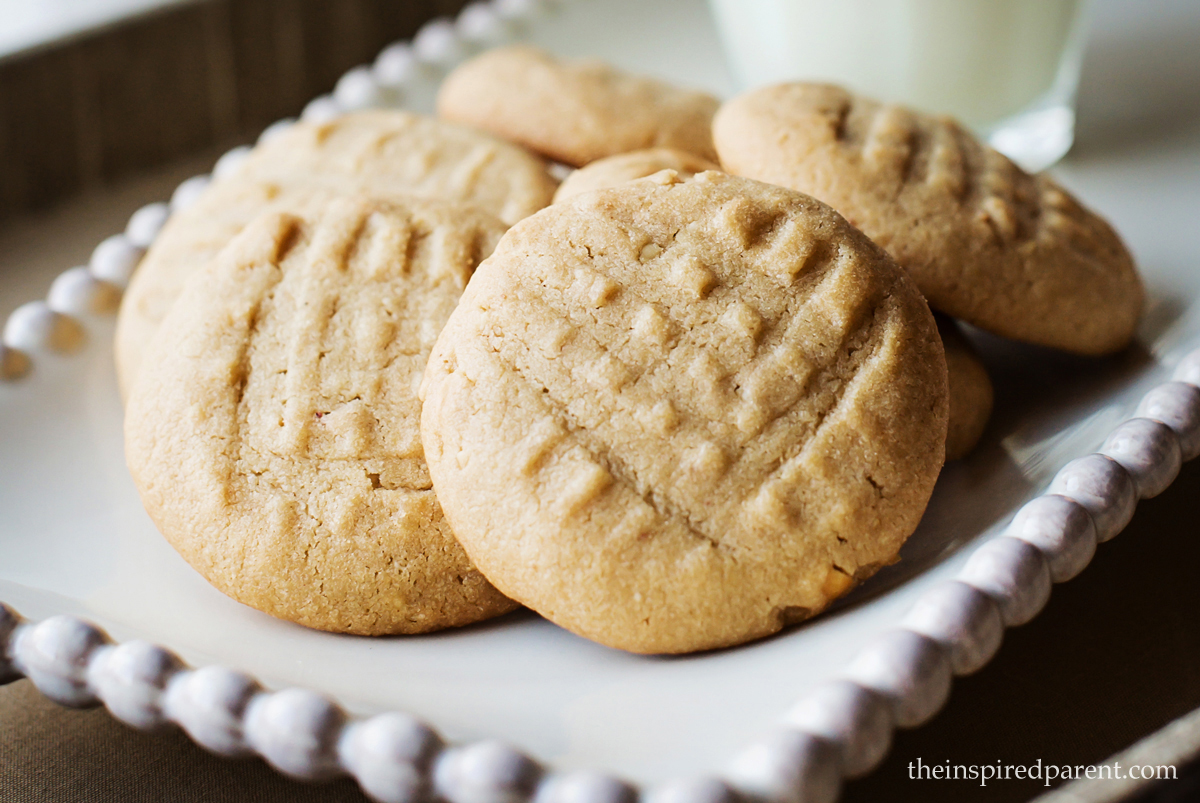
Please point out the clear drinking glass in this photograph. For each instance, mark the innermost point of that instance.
(1006, 68)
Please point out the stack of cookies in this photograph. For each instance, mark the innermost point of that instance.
(389, 376)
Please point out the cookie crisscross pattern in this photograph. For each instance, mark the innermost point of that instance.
(1009, 252)
(275, 437)
(694, 365)
(751, 358)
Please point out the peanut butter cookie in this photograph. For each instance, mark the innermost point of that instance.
(971, 391)
(575, 112)
(678, 415)
(273, 430)
(615, 170)
(1011, 253)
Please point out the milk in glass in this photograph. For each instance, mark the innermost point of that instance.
(1007, 68)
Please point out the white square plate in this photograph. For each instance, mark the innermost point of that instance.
(75, 540)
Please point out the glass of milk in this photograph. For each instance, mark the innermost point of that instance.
(1006, 68)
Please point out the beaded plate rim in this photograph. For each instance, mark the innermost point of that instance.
(841, 729)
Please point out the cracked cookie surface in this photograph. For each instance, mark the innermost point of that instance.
(273, 435)
(1009, 252)
(381, 153)
(680, 415)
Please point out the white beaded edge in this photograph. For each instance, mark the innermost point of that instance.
(841, 729)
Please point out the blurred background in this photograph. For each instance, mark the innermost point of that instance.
(92, 90)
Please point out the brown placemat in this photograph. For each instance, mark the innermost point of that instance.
(1175, 748)
(50, 754)
(1113, 657)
